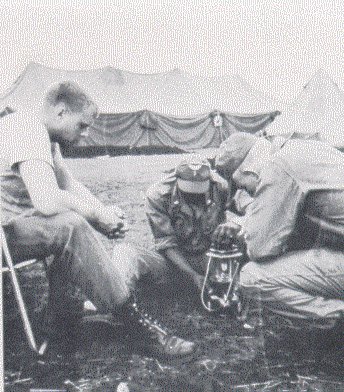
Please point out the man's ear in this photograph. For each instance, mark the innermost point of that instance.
(60, 110)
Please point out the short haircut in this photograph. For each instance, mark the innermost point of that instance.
(70, 94)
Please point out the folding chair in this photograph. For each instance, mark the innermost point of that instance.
(11, 268)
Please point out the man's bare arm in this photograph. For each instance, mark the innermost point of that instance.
(49, 199)
(68, 182)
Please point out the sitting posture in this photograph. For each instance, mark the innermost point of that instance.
(288, 180)
(45, 211)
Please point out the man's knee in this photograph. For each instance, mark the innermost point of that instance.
(65, 226)
(73, 230)
(40, 236)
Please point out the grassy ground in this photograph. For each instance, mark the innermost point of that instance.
(229, 357)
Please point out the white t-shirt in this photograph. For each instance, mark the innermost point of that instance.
(23, 137)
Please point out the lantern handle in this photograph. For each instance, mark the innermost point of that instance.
(232, 281)
(204, 285)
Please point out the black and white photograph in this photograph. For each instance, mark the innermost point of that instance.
(172, 196)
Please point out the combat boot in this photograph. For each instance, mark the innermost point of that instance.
(153, 338)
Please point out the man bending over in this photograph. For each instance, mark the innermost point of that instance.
(45, 211)
(288, 180)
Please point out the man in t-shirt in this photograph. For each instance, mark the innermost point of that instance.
(45, 211)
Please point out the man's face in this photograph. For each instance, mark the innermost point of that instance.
(67, 126)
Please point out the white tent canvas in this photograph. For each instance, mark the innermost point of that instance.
(318, 110)
(174, 93)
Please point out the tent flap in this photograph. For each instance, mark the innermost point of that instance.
(145, 128)
(170, 109)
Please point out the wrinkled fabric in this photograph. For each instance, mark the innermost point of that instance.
(304, 284)
(301, 170)
(293, 272)
(145, 128)
(79, 257)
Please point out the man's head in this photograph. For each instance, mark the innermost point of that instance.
(67, 111)
(230, 159)
(193, 175)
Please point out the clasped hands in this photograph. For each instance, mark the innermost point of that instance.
(111, 222)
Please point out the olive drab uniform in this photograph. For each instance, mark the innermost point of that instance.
(183, 222)
(194, 223)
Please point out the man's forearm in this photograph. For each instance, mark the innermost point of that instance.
(80, 191)
(66, 201)
(49, 198)
(68, 183)
(177, 258)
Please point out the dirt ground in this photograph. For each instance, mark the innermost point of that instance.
(229, 358)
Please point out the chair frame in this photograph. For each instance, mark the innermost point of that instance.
(11, 268)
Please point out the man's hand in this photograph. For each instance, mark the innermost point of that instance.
(225, 232)
(111, 222)
(111, 230)
(115, 211)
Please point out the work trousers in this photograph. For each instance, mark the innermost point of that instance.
(80, 258)
(307, 284)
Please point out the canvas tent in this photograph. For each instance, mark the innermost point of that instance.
(171, 109)
(317, 112)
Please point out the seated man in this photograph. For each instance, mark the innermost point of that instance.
(45, 211)
(287, 180)
(183, 211)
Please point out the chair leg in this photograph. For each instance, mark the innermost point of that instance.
(18, 295)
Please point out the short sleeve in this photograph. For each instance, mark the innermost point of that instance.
(24, 138)
(159, 219)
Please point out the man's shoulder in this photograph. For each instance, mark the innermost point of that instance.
(23, 137)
